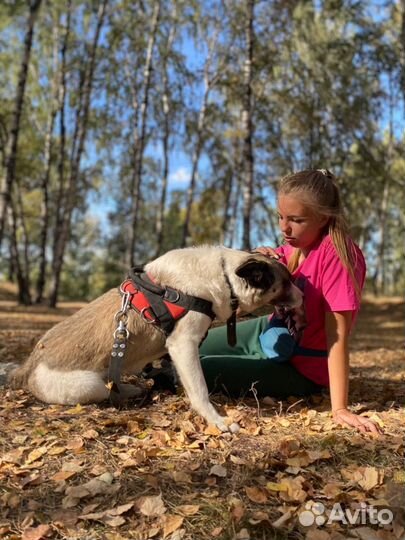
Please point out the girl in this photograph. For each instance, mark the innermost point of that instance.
(330, 270)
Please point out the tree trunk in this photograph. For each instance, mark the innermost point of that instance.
(59, 203)
(165, 141)
(231, 229)
(379, 277)
(78, 146)
(46, 175)
(8, 180)
(186, 238)
(24, 295)
(232, 195)
(248, 126)
(403, 48)
(141, 142)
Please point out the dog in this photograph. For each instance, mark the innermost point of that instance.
(69, 365)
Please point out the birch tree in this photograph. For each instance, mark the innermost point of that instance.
(12, 153)
(78, 143)
(54, 107)
(140, 138)
(247, 114)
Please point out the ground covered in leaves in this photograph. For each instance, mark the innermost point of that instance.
(159, 472)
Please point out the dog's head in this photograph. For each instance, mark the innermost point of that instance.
(269, 282)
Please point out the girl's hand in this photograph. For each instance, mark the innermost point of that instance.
(268, 251)
(344, 417)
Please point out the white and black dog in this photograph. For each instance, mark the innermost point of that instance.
(70, 363)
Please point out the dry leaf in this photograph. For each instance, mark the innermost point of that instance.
(218, 470)
(332, 490)
(257, 495)
(259, 517)
(238, 511)
(212, 429)
(288, 446)
(273, 486)
(151, 506)
(36, 533)
(188, 509)
(317, 534)
(299, 460)
(56, 450)
(366, 533)
(243, 534)
(371, 478)
(171, 523)
(118, 510)
(294, 491)
(237, 460)
(35, 455)
(14, 456)
(72, 466)
(216, 532)
(76, 410)
(62, 476)
(115, 521)
(75, 445)
(96, 486)
(181, 477)
(32, 480)
(90, 434)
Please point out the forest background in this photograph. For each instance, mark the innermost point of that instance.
(130, 127)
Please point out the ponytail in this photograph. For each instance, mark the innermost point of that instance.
(319, 191)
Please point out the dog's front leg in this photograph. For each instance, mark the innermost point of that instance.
(183, 345)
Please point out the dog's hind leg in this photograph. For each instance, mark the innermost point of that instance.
(67, 387)
(182, 345)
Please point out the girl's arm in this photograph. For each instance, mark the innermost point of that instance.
(337, 327)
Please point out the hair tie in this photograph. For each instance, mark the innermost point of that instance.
(326, 172)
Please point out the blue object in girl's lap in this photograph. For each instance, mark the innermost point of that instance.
(279, 346)
(276, 341)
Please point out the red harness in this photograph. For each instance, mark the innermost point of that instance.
(141, 303)
(161, 306)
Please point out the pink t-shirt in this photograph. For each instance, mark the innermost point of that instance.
(327, 286)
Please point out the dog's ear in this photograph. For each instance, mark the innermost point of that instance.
(258, 274)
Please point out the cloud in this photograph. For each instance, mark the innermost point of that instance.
(180, 176)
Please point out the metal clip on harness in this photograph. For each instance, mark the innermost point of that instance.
(120, 335)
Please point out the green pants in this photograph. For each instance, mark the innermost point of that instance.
(233, 370)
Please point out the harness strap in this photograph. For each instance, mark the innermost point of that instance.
(114, 370)
(231, 322)
(166, 304)
(118, 355)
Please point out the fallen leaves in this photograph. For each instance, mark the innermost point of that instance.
(97, 486)
(162, 473)
(151, 506)
(36, 533)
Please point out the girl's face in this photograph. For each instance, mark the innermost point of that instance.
(301, 228)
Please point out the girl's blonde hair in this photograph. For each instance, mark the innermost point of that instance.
(318, 190)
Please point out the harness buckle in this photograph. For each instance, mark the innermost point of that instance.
(121, 331)
(171, 295)
(148, 321)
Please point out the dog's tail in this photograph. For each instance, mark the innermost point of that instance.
(18, 377)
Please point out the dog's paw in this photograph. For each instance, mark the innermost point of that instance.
(234, 428)
(226, 427)
(129, 391)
